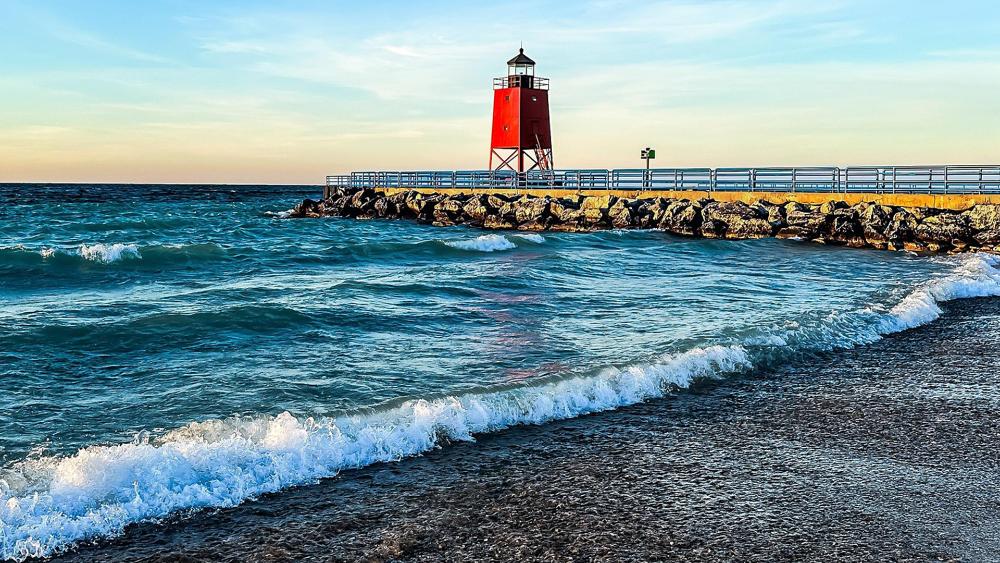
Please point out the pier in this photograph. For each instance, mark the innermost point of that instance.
(959, 180)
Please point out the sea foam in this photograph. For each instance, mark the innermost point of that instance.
(49, 503)
(484, 243)
(531, 237)
(108, 253)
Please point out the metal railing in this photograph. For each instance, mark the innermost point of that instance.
(521, 81)
(868, 179)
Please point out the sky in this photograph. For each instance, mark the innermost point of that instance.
(290, 91)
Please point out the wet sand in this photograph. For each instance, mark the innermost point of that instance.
(887, 452)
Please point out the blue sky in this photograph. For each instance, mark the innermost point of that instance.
(288, 91)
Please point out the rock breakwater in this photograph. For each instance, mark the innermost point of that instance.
(864, 225)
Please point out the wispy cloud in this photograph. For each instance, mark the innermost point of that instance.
(261, 91)
(398, 64)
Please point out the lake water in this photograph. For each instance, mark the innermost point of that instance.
(168, 349)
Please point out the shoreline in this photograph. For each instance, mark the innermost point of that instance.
(780, 465)
(862, 225)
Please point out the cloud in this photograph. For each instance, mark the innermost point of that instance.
(452, 48)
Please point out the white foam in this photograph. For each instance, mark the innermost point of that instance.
(484, 243)
(976, 275)
(767, 340)
(531, 237)
(280, 214)
(108, 253)
(46, 505)
(47, 252)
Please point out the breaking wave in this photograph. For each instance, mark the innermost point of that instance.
(115, 253)
(531, 237)
(49, 503)
(484, 243)
(107, 254)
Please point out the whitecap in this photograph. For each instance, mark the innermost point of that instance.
(484, 243)
(108, 253)
(531, 237)
(976, 275)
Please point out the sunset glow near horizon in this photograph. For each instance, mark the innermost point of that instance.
(254, 91)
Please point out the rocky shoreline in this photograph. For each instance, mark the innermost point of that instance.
(865, 225)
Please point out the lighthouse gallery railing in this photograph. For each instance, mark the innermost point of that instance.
(869, 179)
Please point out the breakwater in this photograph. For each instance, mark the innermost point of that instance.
(866, 224)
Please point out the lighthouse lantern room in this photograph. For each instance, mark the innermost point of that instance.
(522, 135)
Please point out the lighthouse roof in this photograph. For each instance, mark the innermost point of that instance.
(521, 59)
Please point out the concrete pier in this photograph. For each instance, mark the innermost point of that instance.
(939, 187)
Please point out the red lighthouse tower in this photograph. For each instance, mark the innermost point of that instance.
(522, 135)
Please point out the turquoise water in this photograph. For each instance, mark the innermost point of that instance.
(197, 349)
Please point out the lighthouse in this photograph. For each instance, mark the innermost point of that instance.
(522, 135)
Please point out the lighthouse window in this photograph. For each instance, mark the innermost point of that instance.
(506, 98)
(534, 98)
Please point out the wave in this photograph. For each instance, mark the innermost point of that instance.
(484, 243)
(531, 237)
(280, 214)
(49, 503)
(103, 253)
(112, 253)
(107, 254)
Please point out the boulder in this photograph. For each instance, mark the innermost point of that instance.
(875, 220)
(643, 215)
(534, 226)
(796, 207)
(398, 203)
(775, 214)
(384, 208)
(508, 210)
(620, 215)
(532, 210)
(797, 233)
(901, 228)
(830, 207)
(593, 216)
(921, 213)
(429, 203)
(988, 238)
(844, 224)
(442, 218)
(494, 201)
(736, 220)
(598, 202)
(308, 208)
(417, 205)
(497, 222)
(682, 217)
(656, 208)
(712, 229)
(475, 210)
(944, 228)
(564, 211)
(450, 205)
(362, 200)
(806, 220)
(983, 217)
